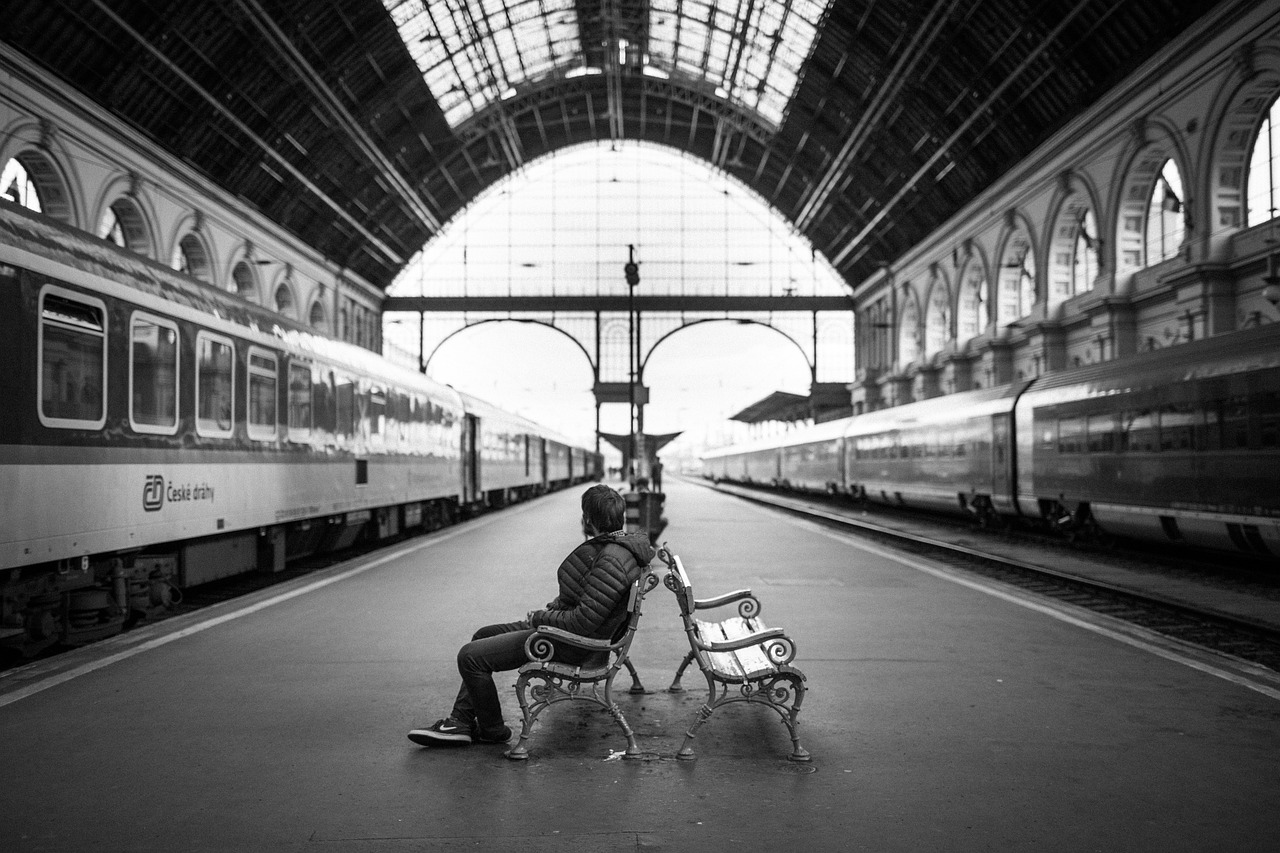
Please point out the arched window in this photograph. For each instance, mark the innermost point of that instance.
(1084, 257)
(1263, 197)
(16, 186)
(1017, 286)
(122, 223)
(242, 282)
(1166, 225)
(317, 316)
(1073, 256)
(33, 181)
(937, 319)
(190, 257)
(971, 308)
(284, 300)
(909, 332)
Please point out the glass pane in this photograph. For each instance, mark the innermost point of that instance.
(214, 401)
(1141, 434)
(299, 397)
(155, 374)
(71, 360)
(262, 392)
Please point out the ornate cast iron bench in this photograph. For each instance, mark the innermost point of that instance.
(742, 660)
(543, 682)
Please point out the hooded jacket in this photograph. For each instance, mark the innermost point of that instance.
(595, 583)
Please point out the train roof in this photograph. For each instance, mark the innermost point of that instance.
(1170, 367)
(979, 403)
(68, 254)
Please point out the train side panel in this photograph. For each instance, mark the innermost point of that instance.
(1180, 445)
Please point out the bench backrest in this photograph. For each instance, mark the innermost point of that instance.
(683, 589)
(647, 581)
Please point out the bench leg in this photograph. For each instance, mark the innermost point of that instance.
(787, 701)
(676, 687)
(686, 750)
(636, 686)
(533, 699)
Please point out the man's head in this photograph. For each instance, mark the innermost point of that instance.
(603, 510)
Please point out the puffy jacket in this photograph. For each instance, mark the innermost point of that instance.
(595, 582)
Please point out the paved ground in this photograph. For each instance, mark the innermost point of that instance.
(940, 716)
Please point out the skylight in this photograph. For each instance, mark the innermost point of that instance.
(473, 52)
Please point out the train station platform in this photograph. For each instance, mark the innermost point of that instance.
(943, 714)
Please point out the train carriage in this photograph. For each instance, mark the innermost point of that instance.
(1178, 445)
(160, 433)
(949, 453)
(812, 459)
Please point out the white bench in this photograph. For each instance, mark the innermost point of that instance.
(741, 658)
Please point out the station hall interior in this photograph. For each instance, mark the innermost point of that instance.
(282, 279)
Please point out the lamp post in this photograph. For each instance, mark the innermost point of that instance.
(632, 272)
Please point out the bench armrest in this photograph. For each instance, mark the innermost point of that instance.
(776, 644)
(748, 604)
(541, 644)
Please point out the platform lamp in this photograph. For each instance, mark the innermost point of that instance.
(631, 270)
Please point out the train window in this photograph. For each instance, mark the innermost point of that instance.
(1102, 433)
(1181, 427)
(299, 401)
(153, 375)
(323, 412)
(1071, 435)
(215, 386)
(263, 394)
(1269, 420)
(345, 405)
(1141, 434)
(377, 412)
(1235, 424)
(1047, 435)
(73, 360)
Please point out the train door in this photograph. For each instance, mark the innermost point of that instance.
(542, 463)
(471, 460)
(1002, 481)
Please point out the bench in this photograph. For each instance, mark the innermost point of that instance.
(742, 659)
(543, 681)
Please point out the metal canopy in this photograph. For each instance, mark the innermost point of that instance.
(325, 118)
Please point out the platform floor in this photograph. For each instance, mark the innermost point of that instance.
(943, 715)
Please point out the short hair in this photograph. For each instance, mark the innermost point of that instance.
(603, 508)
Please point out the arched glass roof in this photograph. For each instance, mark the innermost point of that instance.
(474, 52)
(563, 225)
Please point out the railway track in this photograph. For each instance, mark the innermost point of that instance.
(1248, 638)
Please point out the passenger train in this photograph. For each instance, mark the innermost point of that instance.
(159, 433)
(1176, 445)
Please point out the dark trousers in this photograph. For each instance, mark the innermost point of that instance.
(494, 648)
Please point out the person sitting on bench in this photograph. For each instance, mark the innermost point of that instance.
(594, 583)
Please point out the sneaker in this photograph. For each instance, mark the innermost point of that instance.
(443, 732)
(501, 735)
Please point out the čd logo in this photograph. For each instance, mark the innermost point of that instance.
(153, 493)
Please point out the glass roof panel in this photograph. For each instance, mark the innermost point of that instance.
(471, 52)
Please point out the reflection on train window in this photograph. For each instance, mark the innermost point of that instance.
(1181, 427)
(73, 356)
(1269, 420)
(377, 411)
(1141, 433)
(345, 398)
(1235, 424)
(1071, 435)
(153, 375)
(1102, 433)
(262, 394)
(299, 400)
(215, 386)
